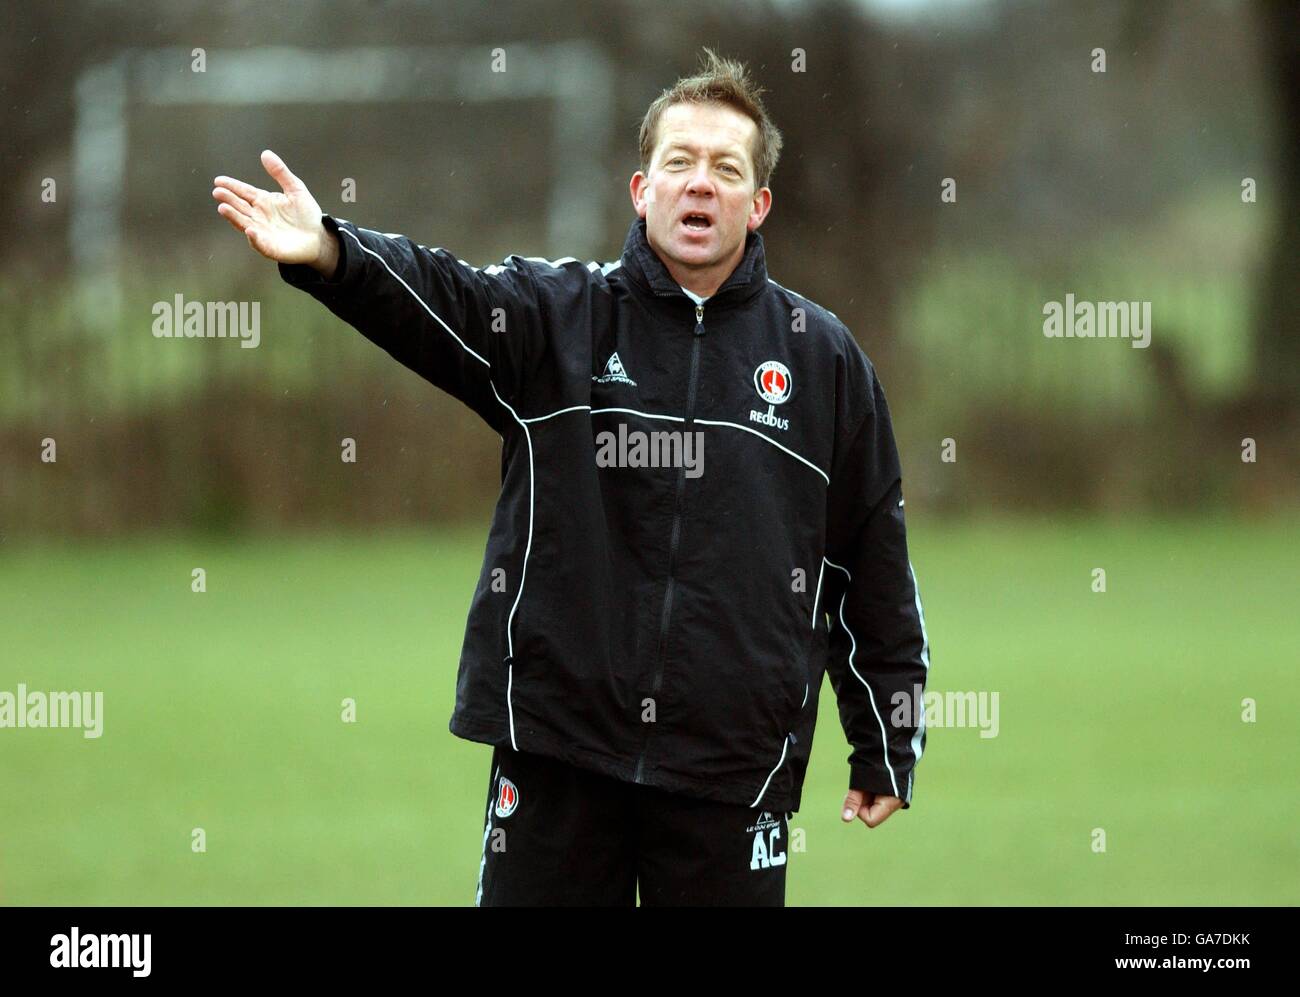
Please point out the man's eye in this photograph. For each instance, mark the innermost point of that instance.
(679, 159)
(732, 168)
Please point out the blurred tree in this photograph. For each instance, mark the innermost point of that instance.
(1278, 327)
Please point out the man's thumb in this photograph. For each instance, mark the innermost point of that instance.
(280, 173)
(852, 803)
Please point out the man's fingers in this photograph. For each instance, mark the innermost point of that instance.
(852, 804)
(232, 199)
(245, 190)
(280, 173)
(870, 808)
(875, 813)
(880, 809)
(239, 221)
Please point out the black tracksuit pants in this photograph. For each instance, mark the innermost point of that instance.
(558, 835)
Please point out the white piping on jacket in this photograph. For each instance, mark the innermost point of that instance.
(884, 739)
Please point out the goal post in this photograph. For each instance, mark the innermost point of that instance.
(575, 76)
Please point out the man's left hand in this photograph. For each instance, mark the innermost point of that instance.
(871, 808)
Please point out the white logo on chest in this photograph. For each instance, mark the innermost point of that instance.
(614, 372)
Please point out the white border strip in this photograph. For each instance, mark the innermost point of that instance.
(884, 738)
(764, 436)
(784, 748)
(487, 828)
(366, 249)
(917, 750)
(677, 418)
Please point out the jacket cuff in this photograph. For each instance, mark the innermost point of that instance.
(870, 780)
(302, 275)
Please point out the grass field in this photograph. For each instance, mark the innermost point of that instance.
(1119, 711)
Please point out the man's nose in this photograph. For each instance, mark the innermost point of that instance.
(700, 180)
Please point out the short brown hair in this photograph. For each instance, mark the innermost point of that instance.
(721, 81)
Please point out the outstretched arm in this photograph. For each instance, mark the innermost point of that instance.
(476, 333)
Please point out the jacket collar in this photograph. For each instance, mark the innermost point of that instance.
(648, 270)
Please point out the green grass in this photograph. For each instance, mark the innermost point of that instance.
(1118, 711)
(974, 325)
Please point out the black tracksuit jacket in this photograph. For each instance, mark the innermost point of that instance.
(664, 627)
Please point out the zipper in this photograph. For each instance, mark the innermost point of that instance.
(675, 539)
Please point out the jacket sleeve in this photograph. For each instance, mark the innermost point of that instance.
(878, 652)
(475, 333)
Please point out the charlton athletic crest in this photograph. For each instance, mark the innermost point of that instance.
(772, 382)
(772, 379)
(507, 798)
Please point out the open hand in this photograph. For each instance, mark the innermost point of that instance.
(285, 227)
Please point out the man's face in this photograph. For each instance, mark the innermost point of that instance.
(700, 199)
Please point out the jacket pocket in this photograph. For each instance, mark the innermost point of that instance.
(800, 686)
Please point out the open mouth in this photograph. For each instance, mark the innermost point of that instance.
(697, 222)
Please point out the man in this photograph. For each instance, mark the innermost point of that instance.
(647, 640)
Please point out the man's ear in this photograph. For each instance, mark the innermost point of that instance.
(759, 208)
(639, 188)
